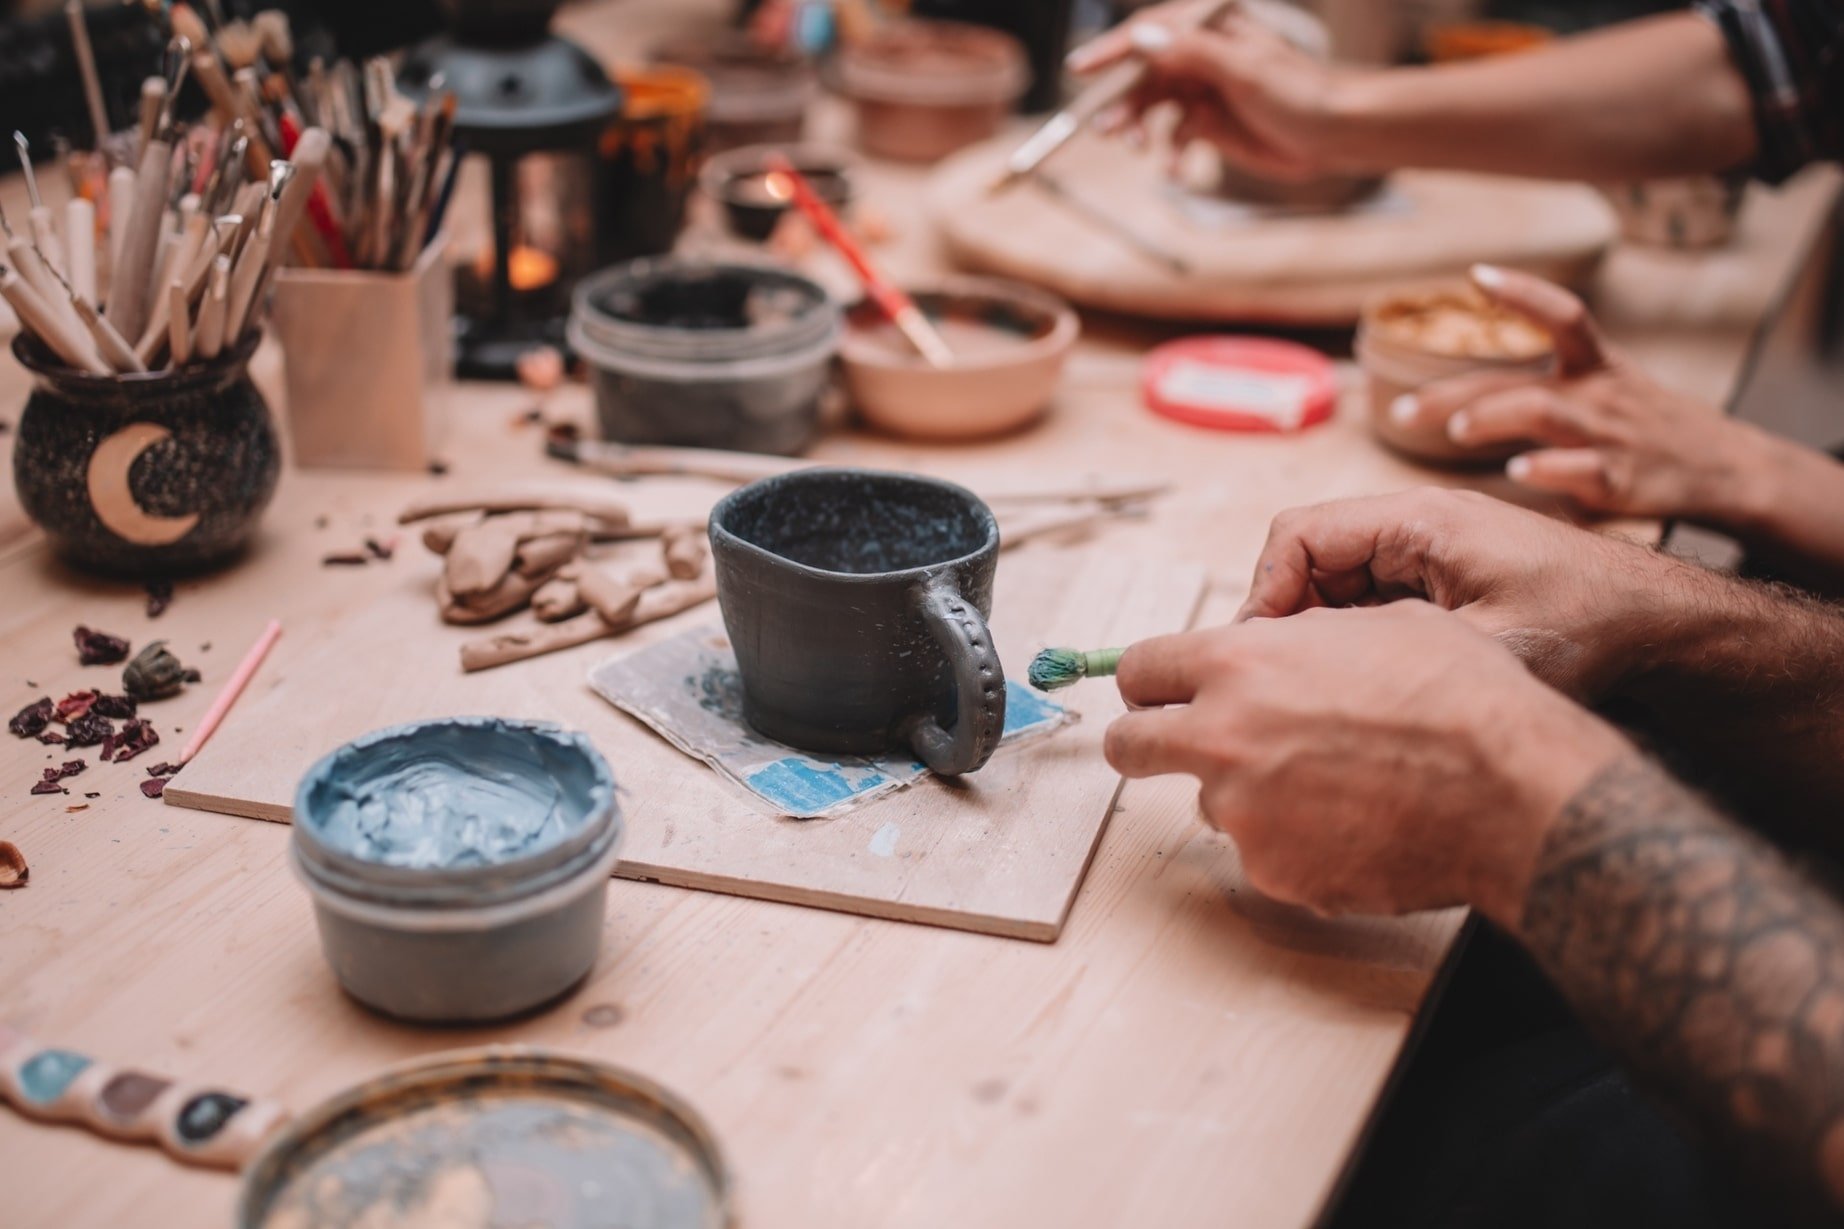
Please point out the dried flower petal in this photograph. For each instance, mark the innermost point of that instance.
(31, 720)
(119, 707)
(13, 869)
(96, 648)
(381, 550)
(164, 770)
(159, 597)
(75, 705)
(348, 559)
(48, 787)
(154, 787)
(51, 738)
(136, 736)
(89, 730)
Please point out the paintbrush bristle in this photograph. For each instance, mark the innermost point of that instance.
(1054, 669)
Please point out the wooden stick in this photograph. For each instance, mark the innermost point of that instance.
(86, 64)
(208, 330)
(80, 240)
(35, 314)
(179, 324)
(660, 602)
(239, 679)
(114, 349)
(26, 260)
(607, 511)
(128, 286)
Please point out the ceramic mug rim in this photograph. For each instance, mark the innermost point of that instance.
(720, 532)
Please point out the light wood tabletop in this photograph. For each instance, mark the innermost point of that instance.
(1187, 1053)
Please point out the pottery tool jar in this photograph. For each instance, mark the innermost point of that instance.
(923, 89)
(1410, 339)
(149, 473)
(505, 1135)
(1009, 342)
(707, 355)
(459, 867)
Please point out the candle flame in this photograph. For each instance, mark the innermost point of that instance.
(528, 268)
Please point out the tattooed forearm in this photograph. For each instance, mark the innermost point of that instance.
(1714, 969)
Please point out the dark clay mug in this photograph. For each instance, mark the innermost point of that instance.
(856, 603)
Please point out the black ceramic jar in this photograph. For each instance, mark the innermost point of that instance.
(161, 473)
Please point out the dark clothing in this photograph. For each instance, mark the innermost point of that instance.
(1792, 54)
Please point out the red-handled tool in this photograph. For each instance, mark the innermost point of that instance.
(901, 309)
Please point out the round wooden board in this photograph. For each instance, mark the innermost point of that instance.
(1303, 270)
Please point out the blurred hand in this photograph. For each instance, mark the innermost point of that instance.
(1605, 432)
(1239, 86)
(1373, 761)
(1578, 607)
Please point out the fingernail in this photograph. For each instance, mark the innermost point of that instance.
(1079, 59)
(1489, 276)
(1149, 38)
(1517, 468)
(1404, 410)
(1459, 425)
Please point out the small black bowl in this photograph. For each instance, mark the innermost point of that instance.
(739, 180)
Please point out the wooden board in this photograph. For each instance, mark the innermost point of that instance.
(1002, 852)
(1307, 270)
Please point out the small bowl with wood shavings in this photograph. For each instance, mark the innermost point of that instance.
(1412, 338)
(1010, 342)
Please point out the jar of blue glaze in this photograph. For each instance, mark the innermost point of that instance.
(459, 867)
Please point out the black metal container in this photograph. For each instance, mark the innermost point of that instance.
(140, 475)
(856, 603)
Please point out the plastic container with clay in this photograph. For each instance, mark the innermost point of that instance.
(706, 355)
(459, 867)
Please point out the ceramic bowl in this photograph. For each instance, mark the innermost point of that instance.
(1000, 388)
(758, 94)
(1408, 339)
(738, 180)
(923, 89)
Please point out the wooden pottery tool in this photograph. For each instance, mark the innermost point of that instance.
(195, 1124)
(36, 314)
(901, 309)
(80, 243)
(86, 65)
(233, 687)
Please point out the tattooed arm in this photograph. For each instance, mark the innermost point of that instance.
(1714, 969)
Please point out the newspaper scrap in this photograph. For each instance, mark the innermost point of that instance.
(688, 690)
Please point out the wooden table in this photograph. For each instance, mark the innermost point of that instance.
(1187, 1054)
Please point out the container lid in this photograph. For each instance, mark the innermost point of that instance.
(505, 1135)
(1240, 384)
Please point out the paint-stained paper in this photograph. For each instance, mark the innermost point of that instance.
(688, 690)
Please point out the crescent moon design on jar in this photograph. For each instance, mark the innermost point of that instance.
(114, 501)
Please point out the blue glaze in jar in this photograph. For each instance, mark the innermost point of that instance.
(459, 867)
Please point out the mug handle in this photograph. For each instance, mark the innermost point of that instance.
(961, 632)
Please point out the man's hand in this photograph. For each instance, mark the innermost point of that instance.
(1376, 761)
(1582, 610)
(1604, 431)
(1238, 86)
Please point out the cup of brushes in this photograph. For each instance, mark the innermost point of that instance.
(144, 448)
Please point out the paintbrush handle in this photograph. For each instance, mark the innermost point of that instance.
(114, 349)
(191, 1123)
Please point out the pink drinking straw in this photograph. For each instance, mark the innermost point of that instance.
(232, 690)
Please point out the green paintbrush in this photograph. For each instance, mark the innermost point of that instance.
(1053, 669)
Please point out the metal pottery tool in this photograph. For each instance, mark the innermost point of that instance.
(901, 309)
(44, 229)
(1112, 86)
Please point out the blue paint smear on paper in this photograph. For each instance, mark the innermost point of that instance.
(45, 1076)
(801, 786)
(1026, 709)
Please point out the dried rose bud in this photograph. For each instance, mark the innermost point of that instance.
(89, 730)
(155, 673)
(96, 648)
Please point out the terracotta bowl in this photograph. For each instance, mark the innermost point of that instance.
(1409, 339)
(923, 89)
(1011, 340)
